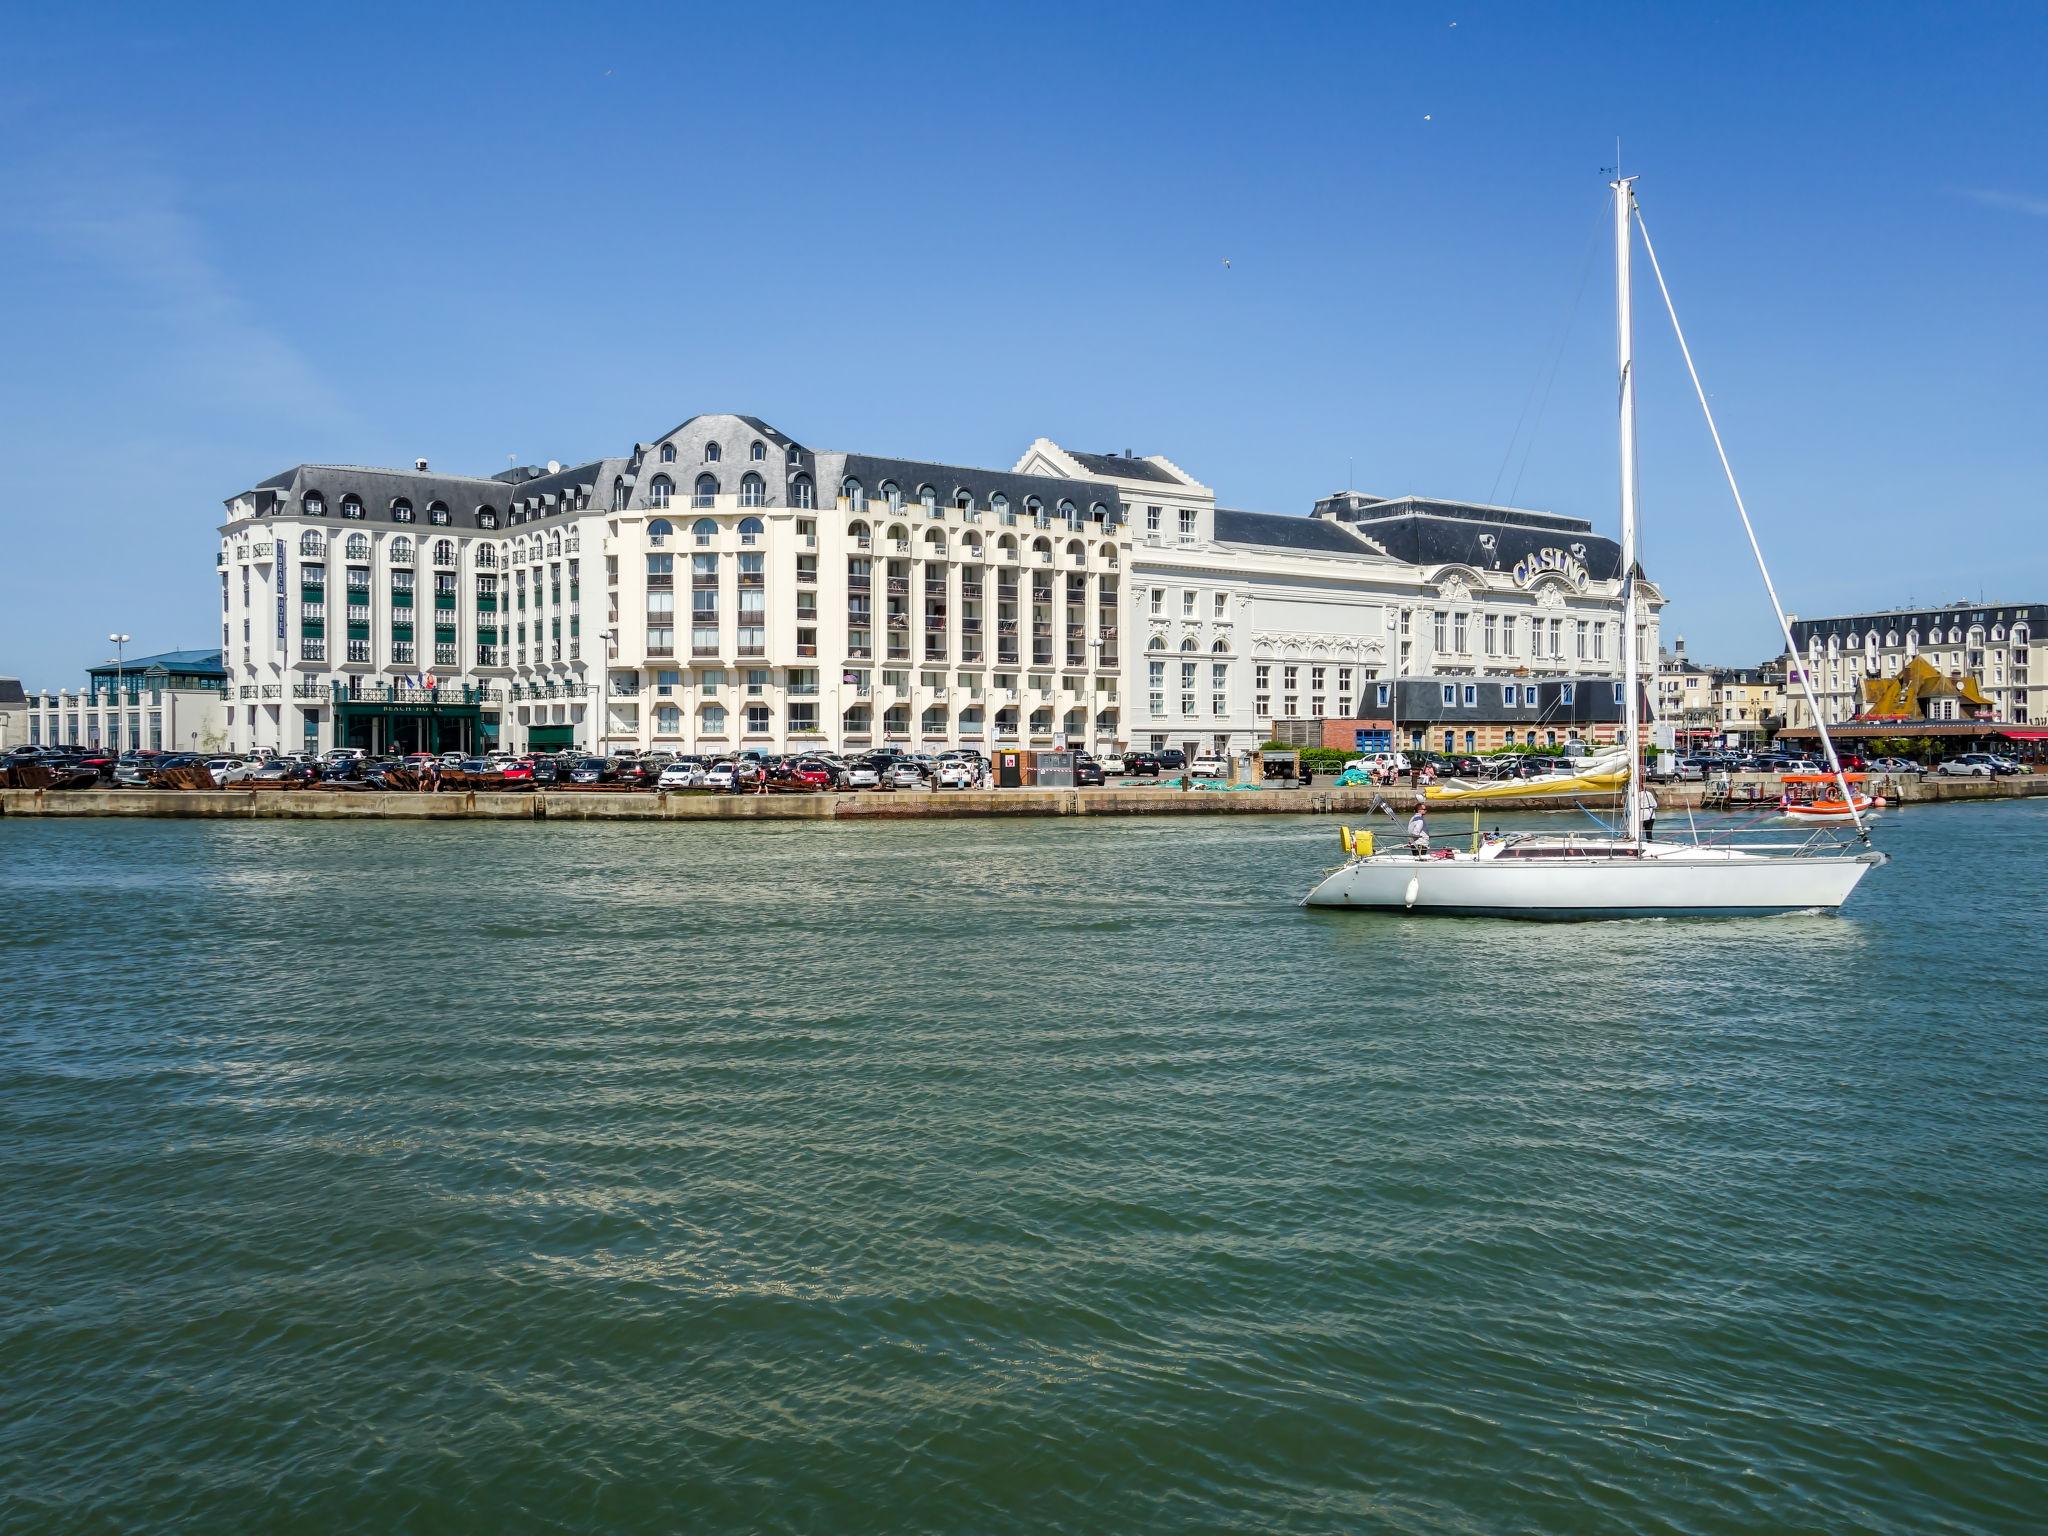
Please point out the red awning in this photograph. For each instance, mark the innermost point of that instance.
(2024, 735)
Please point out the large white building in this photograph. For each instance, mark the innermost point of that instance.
(724, 587)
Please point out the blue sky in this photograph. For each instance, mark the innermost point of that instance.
(235, 239)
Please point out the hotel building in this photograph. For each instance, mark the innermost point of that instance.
(170, 702)
(724, 586)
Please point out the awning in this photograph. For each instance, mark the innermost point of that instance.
(2024, 735)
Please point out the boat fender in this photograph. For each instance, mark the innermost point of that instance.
(1344, 838)
(1361, 843)
(1878, 802)
(1414, 885)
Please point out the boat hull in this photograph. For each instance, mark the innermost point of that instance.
(1689, 883)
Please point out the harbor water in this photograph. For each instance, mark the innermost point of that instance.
(1003, 1176)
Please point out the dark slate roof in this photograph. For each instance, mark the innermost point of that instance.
(465, 495)
(206, 663)
(1273, 530)
(11, 691)
(1594, 701)
(542, 494)
(1430, 532)
(1122, 467)
(1954, 615)
(981, 484)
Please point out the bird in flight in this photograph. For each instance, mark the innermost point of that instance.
(1226, 262)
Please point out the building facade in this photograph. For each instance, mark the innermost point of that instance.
(1989, 645)
(170, 702)
(724, 587)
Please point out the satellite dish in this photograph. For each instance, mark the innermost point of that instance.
(554, 466)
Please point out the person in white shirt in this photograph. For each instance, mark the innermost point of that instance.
(1646, 812)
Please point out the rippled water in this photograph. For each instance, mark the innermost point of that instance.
(997, 1176)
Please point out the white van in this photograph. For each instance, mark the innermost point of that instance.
(1379, 763)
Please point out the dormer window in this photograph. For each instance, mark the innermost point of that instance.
(711, 453)
(486, 518)
(758, 452)
(437, 513)
(668, 453)
(352, 508)
(315, 504)
(401, 511)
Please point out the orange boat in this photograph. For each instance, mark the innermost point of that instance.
(1818, 797)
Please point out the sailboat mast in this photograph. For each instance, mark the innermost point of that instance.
(1624, 196)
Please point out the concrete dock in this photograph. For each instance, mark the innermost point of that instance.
(697, 805)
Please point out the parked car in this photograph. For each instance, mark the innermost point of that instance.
(343, 770)
(1210, 766)
(1142, 765)
(284, 771)
(806, 773)
(1895, 765)
(958, 773)
(1173, 759)
(905, 775)
(721, 775)
(229, 770)
(546, 771)
(337, 754)
(1971, 764)
(1112, 763)
(1087, 771)
(680, 775)
(863, 774)
(591, 770)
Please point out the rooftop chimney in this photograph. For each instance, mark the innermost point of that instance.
(419, 464)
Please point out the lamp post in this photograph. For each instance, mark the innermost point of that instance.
(120, 662)
(604, 682)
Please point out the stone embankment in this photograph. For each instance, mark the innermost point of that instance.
(651, 805)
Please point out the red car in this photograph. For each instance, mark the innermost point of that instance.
(518, 770)
(807, 774)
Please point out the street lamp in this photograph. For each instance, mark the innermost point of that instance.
(120, 661)
(604, 682)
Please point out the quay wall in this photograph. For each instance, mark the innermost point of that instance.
(652, 805)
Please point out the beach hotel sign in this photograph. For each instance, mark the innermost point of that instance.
(1545, 561)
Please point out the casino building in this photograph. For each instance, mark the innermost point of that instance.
(723, 587)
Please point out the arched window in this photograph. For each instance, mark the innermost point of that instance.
(401, 511)
(358, 547)
(707, 487)
(703, 530)
(892, 493)
(1006, 546)
(659, 490)
(999, 504)
(618, 493)
(758, 452)
(1042, 548)
(401, 550)
(858, 532)
(437, 513)
(935, 541)
(1220, 648)
(801, 492)
(1033, 507)
(352, 507)
(315, 504)
(1156, 643)
(898, 537)
(310, 542)
(660, 528)
(668, 453)
(711, 453)
(793, 455)
(555, 544)
(1189, 646)
(750, 530)
(1077, 552)
(486, 518)
(1068, 510)
(928, 498)
(1108, 552)
(963, 500)
(444, 551)
(856, 496)
(970, 545)
(1098, 514)
(753, 490)
(486, 557)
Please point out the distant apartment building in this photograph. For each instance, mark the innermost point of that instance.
(1982, 649)
(1712, 706)
(723, 587)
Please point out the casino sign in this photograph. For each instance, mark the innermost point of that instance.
(1547, 561)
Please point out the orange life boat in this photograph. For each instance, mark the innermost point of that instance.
(1818, 797)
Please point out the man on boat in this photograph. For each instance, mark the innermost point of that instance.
(1646, 812)
(1418, 831)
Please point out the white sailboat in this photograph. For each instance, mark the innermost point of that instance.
(1545, 875)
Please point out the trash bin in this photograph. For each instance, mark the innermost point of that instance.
(1013, 770)
(1055, 769)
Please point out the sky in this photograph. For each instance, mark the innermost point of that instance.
(1291, 247)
